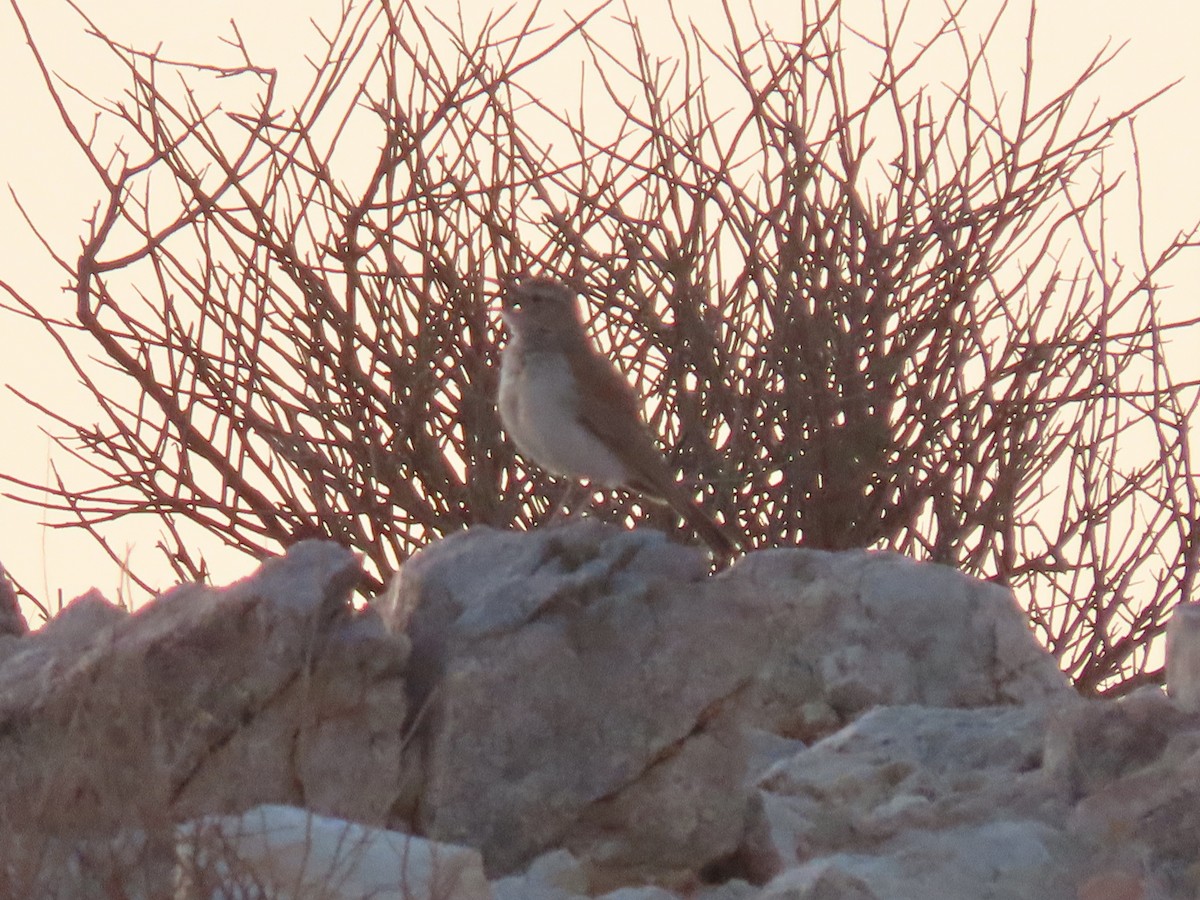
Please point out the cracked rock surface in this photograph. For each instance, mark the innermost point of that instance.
(593, 689)
(272, 690)
(585, 711)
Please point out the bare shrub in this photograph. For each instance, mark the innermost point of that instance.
(869, 313)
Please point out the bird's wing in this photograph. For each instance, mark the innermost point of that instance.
(614, 417)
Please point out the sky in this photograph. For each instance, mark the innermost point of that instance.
(41, 166)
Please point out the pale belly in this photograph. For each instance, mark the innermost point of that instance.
(538, 408)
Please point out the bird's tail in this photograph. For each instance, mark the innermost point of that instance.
(703, 524)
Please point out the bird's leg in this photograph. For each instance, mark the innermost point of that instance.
(562, 509)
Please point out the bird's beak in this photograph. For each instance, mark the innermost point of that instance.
(510, 295)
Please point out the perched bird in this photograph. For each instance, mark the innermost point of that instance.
(570, 411)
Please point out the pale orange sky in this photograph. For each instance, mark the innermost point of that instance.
(41, 165)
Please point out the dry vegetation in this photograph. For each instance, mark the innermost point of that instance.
(870, 314)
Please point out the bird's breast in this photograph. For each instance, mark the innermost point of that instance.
(539, 406)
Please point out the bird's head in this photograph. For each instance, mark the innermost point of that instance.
(542, 306)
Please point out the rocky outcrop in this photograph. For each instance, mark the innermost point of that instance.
(271, 691)
(584, 711)
(594, 689)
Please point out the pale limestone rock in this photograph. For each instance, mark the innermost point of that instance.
(206, 700)
(734, 889)
(877, 628)
(557, 875)
(80, 621)
(1183, 656)
(898, 771)
(568, 665)
(647, 892)
(82, 629)
(589, 687)
(1121, 885)
(12, 620)
(131, 865)
(1001, 860)
(289, 852)
(590, 704)
(693, 799)
(1141, 808)
(820, 880)
(1089, 745)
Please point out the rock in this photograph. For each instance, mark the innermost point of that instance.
(645, 892)
(592, 688)
(283, 851)
(557, 875)
(824, 880)
(912, 781)
(608, 671)
(596, 715)
(1183, 656)
(132, 864)
(867, 629)
(12, 620)
(734, 889)
(1119, 885)
(685, 810)
(79, 621)
(271, 690)
(268, 851)
(1003, 860)
(1089, 745)
(82, 626)
(1136, 766)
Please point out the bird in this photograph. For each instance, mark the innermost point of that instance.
(570, 411)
